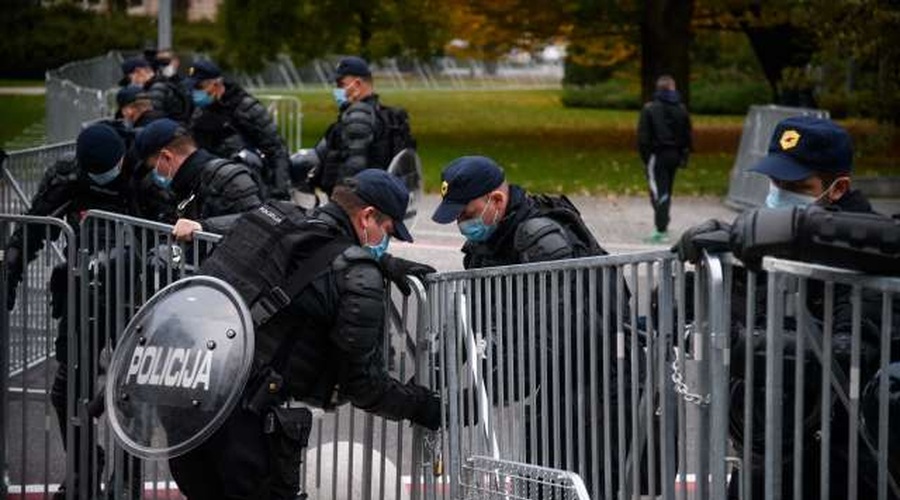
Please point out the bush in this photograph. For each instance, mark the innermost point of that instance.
(727, 98)
(611, 94)
(706, 98)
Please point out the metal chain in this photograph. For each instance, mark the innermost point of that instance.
(433, 447)
(681, 386)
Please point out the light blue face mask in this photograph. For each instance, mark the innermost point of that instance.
(782, 198)
(379, 249)
(340, 96)
(201, 98)
(475, 229)
(106, 177)
(161, 181)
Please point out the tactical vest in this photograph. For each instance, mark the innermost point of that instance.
(562, 210)
(271, 254)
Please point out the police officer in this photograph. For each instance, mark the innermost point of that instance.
(366, 134)
(811, 213)
(206, 188)
(92, 179)
(664, 142)
(504, 225)
(227, 119)
(325, 347)
(152, 201)
(165, 94)
(136, 71)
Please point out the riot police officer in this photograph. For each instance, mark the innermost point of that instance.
(165, 93)
(811, 213)
(92, 179)
(323, 346)
(151, 201)
(367, 134)
(227, 119)
(503, 225)
(205, 187)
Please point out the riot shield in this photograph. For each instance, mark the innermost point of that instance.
(407, 166)
(180, 368)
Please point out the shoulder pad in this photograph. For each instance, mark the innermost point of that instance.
(358, 272)
(221, 169)
(66, 169)
(359, 111)
(541, 239)
(354, 254)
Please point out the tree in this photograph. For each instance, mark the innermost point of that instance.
(665, 44)
(258, 31)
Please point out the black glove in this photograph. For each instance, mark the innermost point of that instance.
(13, 262)
(712, 236)
(397, 269)
(429, 414)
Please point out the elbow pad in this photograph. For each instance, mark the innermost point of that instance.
(360, 285)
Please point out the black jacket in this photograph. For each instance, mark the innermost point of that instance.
(361, 138)
(237, 121)
(150, 201)
(170, 98)
(526, 235)
(337, 334)
(664, 125)
(208, 188)
(66, 192)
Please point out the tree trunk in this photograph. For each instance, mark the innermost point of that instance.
(665, 44)
(365, 31)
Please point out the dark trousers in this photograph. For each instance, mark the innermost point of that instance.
(242, 461)
(660, 172)
(232, 464)
(59, 400)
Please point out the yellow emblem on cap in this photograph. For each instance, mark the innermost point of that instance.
(444, 188)
(191, 71)
(789, 139)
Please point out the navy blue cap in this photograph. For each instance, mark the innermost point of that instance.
(202, 70)
(133, 63)
(99, 148)
(463, 180)
(386, 193)
(156, 136)
(802, 146)
(351, 66)
(129, 94)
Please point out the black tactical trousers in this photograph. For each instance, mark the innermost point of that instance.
(242, 461)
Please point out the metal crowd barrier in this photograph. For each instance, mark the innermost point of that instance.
(77, 93)
(22, 173)
(28, 440)
(804, 357)
(288, 115)
(569, 365)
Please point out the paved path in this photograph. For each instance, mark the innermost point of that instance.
(22, 90)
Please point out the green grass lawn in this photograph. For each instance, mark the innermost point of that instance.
(5, 82)
(543, 145)
(547, 147)
(18, 113)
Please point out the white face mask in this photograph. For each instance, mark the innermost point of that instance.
(168, 71)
